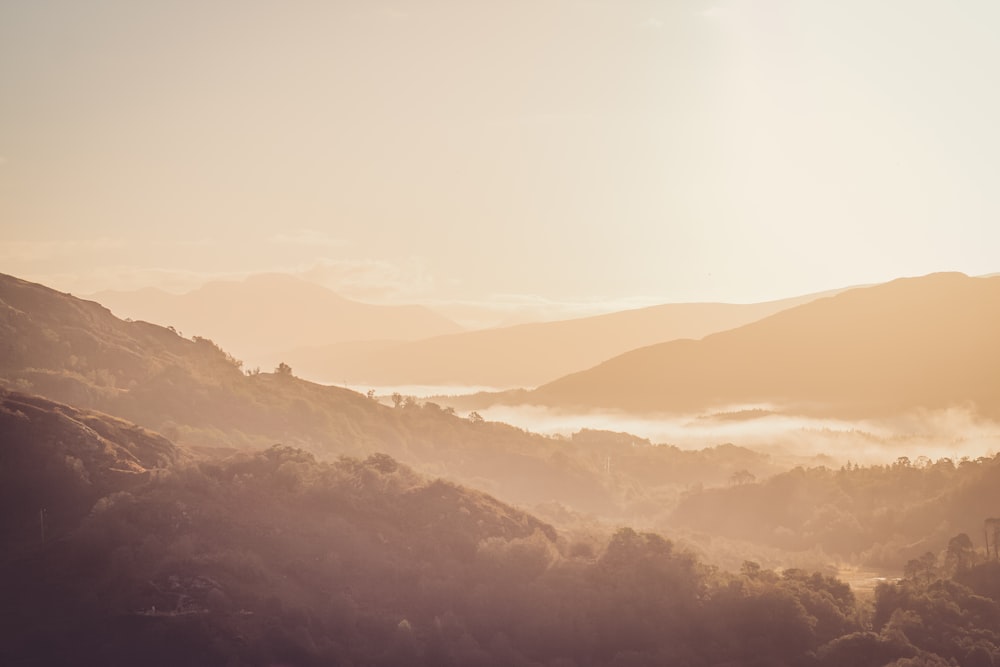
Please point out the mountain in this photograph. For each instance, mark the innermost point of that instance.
(195, 394)
(928, 342)
(265, 314)
(118, 547)
(525, 355)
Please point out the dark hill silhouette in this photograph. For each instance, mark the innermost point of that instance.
(928, 342)
(276, 558)
(58, 460)
(267, 313)
(128, 555)
(525, 355)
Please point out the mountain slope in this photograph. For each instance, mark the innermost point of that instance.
(191, 391)
(528, 354)
(201, 564)
(275, 558)
(927, 342)
(268, 313)
(57, 461)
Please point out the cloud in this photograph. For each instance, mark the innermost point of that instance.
(510, 309)
(371, 279)
(40, 251)
(716, 13)
(362, 279)
(308, 237)
(394, 14)
(129, 277)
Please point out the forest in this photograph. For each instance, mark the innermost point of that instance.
(275, 557)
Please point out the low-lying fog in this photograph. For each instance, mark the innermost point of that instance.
(950, 433)
(953, 433)
(421, 391)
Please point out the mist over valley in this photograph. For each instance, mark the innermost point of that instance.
(126, 439)
(533, 334)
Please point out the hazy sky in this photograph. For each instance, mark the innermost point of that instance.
(528, 151)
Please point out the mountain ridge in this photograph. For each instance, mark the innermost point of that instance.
(889, 346)
(526, 355)
(264, 314)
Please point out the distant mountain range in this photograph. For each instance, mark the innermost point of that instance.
(929, 342)
(268, 313)
(525, 355)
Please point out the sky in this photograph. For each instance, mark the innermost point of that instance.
(529, 156)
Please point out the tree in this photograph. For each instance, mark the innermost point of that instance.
(475, 417)
(751, 569)
(922, 570)
(961, 553)
(397, 399)
(283, 369)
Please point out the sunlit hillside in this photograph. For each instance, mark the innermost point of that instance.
(911, 344)
(500, 334)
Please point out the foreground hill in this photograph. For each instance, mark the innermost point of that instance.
(57, 461)
(275, 558)
(912, 343)
(525, 355)
(265, 314)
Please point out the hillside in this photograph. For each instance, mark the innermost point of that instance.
(275, 558)
(265, 314)
(525, 355)
(881, 516)
(202, 551)
(912, 343)
(153, 555)
(195, 394)
(56, 461)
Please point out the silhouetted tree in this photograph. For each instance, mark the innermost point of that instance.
(921, 569)
(283, 369)
(961, 554)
